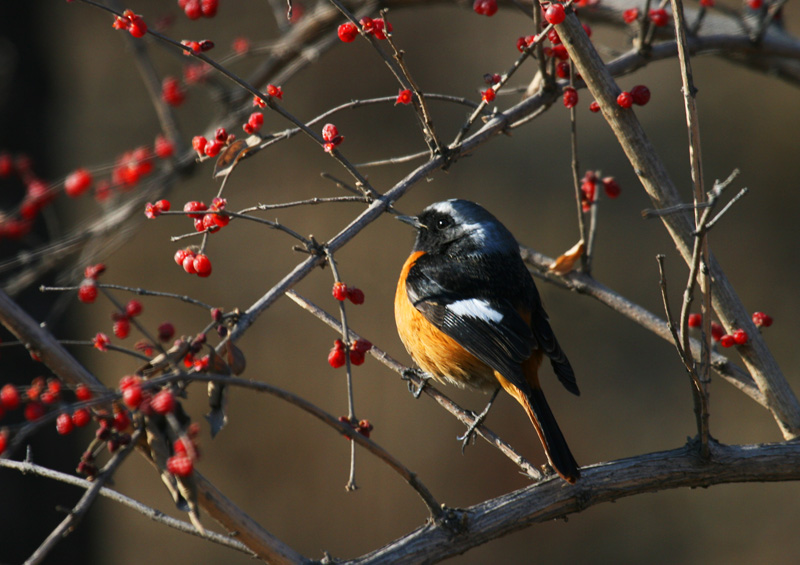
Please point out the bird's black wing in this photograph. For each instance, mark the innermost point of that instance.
(490, 328)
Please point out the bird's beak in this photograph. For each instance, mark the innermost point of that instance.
(411, 221)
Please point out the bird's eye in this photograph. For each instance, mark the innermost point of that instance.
(442, 223)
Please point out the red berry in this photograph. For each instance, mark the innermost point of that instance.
(195, 206)
(355, 295)
(136, 25)
(337, 356)
(562, 69)
(121, 420)
(356, 357)
(221, 135)
(755, 4)
(188, 264)
(33, 411)
(81, 417)
(403, 97)
(716, 331)
(132, 395)
(82, 392)
(625, 100)
(199, 144)
(485, 7)
(122, 328)
(6, 165)
(209, 8)
(87, 292)
(611, 187)
(631, 15)
(329, 132)
(275, 91)
(727, 340)
(172, 92)
(659, 17)
(570, 97)
(594, 106)
(163, 402)
(166, 331)
(695, 320)
(760, 319)
(241, 45)
(364, 428)
(64, 424)
(133, 308)
(553, 36)
(3, 441)
(163, 147)
(181, 254)
(202, 265)
(362, 345)
(128, 381)
(740, 337)
(101, 341)
(555, 14)
(339, 291)
(9, 397)
(348, 32)
(213, 148)
(640, 94)
(180, 465)
(77, 183)
(488, 95)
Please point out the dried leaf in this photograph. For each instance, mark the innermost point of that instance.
(566, 262)
(236, 359)
(232, 154)
(165, 361)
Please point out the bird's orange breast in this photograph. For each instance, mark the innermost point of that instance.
(435, 352)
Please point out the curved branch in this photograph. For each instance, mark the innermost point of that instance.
(604, 482)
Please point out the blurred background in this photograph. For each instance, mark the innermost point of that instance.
(73, 97)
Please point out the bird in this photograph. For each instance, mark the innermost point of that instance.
(469, 313)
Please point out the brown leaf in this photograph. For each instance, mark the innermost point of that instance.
(231, 155)
(236, 359)
(566, 262)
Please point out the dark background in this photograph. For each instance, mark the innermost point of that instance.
(76, 99)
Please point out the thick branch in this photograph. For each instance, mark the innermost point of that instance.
(659, 186)
(604, 482)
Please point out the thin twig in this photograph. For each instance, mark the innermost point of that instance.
(465, 416)
(69, 523)
(351, 407)
(26, 467)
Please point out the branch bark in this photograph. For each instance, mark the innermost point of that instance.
(659, 186)
(605, 482)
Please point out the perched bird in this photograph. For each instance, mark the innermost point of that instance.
(469, 314)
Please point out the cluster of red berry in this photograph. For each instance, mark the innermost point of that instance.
(195, 9)
(196, 47)
(272, 92)
(373, 26)
(659, 17)
(126, 173)
(211, 147)
(589, 184)
(133, 23)
(87, 291)
(331, 137)
(738, 337)
(364, 427)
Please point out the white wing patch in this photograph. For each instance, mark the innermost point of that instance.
(475, 308)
